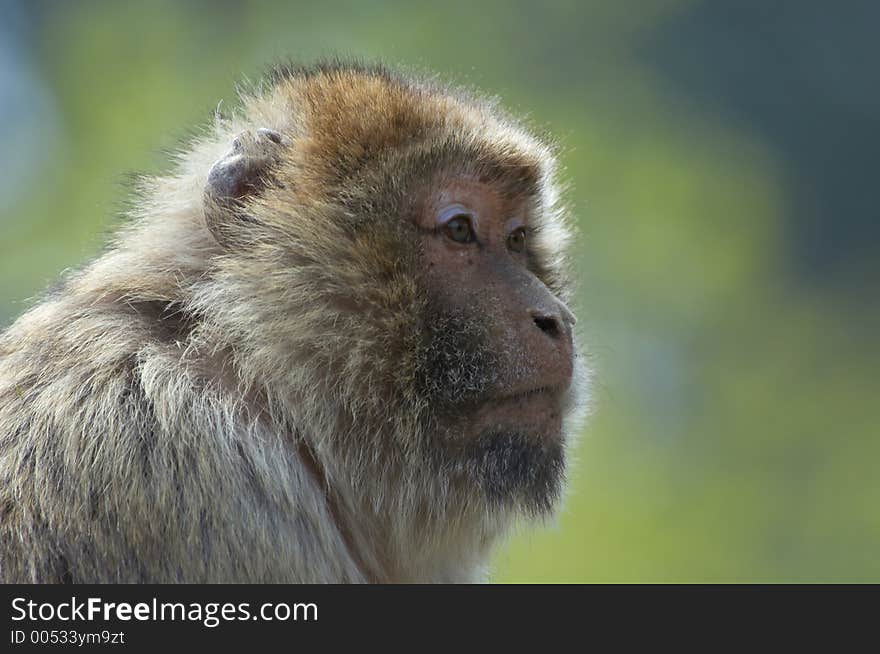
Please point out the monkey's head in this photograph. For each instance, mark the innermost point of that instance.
(390, 267)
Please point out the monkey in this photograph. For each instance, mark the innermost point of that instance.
(332, 344)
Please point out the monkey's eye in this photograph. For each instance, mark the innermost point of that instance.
(459, 228)
(516, 242)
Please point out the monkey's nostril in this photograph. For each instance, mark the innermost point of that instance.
(547, 324)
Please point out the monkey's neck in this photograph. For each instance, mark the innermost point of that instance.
(393, 543)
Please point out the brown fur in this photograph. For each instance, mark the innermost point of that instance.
(182, 410)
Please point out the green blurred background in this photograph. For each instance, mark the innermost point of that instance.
(724, 166)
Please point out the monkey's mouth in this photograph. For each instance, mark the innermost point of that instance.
(536, 410)
(523, 396)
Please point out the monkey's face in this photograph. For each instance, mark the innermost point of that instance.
(406, 249)
(497, 360)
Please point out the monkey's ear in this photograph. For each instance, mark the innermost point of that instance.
(239, 174)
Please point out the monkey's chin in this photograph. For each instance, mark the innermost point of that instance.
(517, 469)
(510, 450)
